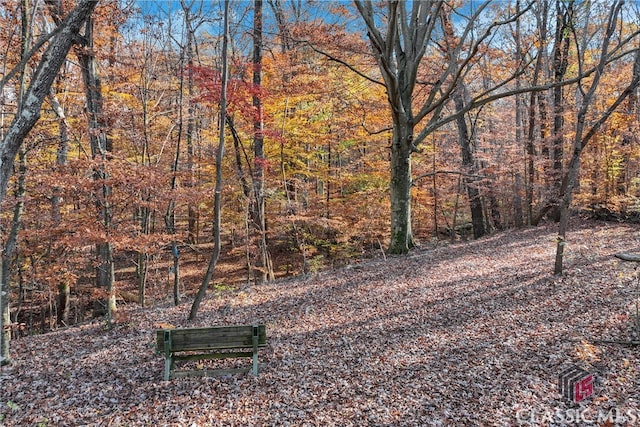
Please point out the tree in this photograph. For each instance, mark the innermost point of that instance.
(612, 47)
(417, 99)
(101, 146)
(519, 122)
(265, 267)
(64, 287)
(192, 21)
(217, 205)
(9, 249)
(52, 59)
(466, 136)
(536, 99)
(564, 19)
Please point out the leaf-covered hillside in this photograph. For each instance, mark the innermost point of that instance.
(466, 334)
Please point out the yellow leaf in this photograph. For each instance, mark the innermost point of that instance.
(587, 351)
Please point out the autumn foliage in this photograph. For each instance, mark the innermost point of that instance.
(327, 130)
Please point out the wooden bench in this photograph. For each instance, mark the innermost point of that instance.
(210, 343)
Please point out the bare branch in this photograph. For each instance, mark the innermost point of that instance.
(339, 61)
(20, 66)
(446, 172)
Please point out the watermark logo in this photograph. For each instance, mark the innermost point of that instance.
(575, 384)
(577, 416)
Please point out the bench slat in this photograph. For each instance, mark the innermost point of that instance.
(209, 356)
(222, 337)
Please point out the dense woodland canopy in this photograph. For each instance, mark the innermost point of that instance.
(350, 129)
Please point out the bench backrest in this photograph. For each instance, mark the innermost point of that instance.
(217, 337)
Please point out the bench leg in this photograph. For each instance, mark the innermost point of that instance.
(255, 350)
(167, 367)
(168, 354)
(255, 363)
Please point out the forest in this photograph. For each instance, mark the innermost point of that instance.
(154, 151)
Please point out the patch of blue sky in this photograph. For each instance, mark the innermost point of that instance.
(170, 14)
(169, 17)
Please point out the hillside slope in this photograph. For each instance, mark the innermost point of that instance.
(465, 334)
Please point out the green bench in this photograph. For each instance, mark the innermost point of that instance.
(218, 342)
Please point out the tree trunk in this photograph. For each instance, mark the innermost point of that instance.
(400, 186)
(264, 270)
(12, 239)
(143, 261)
(518, 181)
(283, 31)
(465, 139)
(536, 99)
(192, 129)
(64, 287)
(398, 54)
(10, 249)
(469, 165)
(143, 212)
(64, 302)
(170, 223)
(52, 59)
(219, 156)
(582, 135)
(100, 148)
(560, 62)
(543, 122)
(5, 322)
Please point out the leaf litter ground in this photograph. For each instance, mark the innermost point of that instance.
(464, 334)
